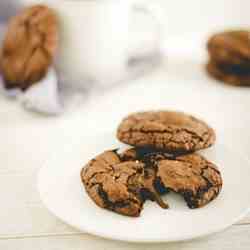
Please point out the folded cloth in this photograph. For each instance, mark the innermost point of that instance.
(42, 97)
(8, 8)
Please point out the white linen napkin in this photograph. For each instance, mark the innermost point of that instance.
(42, 97)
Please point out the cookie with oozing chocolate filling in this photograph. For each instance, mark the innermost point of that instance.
(194, 177)
(119, 184)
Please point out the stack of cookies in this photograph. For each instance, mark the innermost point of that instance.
(162, 159)
(230, 57)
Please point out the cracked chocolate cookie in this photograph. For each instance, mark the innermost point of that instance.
(29, 47)
(229, 54)
(174, 132)
(118, 184)
(195, 178)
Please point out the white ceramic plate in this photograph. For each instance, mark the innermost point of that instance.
(182, 85)
(62, 192)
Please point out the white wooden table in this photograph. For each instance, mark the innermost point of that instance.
(27, 140)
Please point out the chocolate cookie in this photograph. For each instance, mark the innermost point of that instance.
(198, 180)
(195, 178)
(118, 184)
(172, 131)
(230, 57)
(29, 46)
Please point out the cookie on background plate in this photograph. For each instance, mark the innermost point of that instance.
(174, 132)
(229, 57)
(29, 47)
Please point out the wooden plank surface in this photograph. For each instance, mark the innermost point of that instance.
(237, 237)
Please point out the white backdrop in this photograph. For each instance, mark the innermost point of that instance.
(196, 15)
(205, 16)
